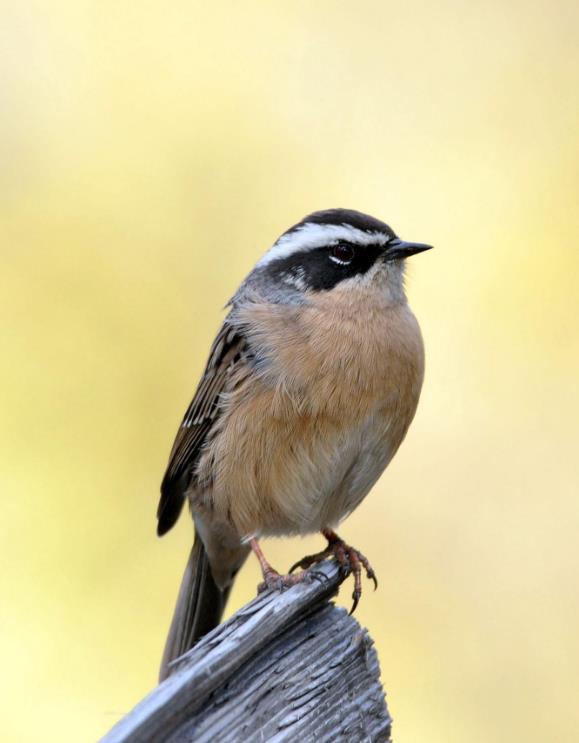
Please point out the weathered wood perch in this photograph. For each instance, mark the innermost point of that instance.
(288, 666)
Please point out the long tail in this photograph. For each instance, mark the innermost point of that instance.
(199, 609)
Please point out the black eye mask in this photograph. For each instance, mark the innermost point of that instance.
(319, 272)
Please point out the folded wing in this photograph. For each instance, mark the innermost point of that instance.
(226, 353)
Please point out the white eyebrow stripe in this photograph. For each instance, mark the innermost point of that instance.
(310, 236)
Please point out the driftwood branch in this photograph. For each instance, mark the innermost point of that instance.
(287, 666)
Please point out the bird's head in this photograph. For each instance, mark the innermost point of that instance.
(336, 248)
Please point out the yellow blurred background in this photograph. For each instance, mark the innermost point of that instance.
(149, 153)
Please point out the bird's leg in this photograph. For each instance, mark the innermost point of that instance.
(351, 561)
(271, 578)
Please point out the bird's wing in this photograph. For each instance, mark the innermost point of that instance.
(226, 354)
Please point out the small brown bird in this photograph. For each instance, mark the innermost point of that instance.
(311, 385)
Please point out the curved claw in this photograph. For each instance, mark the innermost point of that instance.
(350, 560)
(370, 574)
(309, 560)
(295, 566)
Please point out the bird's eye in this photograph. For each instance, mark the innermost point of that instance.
(342, 253)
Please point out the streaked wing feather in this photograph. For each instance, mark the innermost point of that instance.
(225, 354)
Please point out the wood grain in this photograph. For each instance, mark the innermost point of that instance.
(287, 666)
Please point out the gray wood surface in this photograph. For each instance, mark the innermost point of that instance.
(288, 666)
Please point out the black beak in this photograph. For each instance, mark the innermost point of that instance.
(397, 249)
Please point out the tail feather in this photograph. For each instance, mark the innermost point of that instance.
(199, 608)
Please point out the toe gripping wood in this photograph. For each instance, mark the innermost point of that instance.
(288, 666)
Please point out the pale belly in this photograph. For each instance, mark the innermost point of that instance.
(298, 446)
(298, 476)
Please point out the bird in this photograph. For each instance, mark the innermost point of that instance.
(310, 387)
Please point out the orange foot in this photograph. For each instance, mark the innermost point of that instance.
(351, 561)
